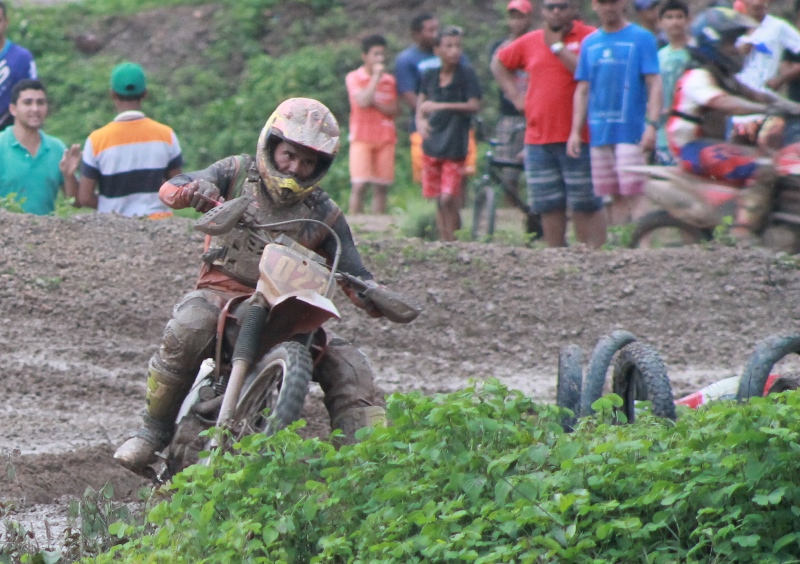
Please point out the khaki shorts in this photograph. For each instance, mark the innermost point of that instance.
(371, 163)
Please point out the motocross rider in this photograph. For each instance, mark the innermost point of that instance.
(705, 96)
(295, 150)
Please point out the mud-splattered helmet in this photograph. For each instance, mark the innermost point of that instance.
(304, 122)
(715, 27)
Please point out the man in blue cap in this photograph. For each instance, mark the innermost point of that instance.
(126, 161)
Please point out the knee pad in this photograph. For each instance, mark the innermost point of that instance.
(189, 335)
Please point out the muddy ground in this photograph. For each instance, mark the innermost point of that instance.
(83, 302)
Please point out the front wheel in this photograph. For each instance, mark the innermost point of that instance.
(659, 229)
(274, 394)
(483, 213)
(640, 375)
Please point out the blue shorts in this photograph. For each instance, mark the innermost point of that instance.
(557, 181)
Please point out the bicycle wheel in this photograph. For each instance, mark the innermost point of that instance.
(483, 213)
(280, 385)
(658, 229)
(640, 375)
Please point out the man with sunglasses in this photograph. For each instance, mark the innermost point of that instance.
(555, 180)
(619, 87)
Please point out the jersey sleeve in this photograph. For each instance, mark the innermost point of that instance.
(649, 49)
(406, 74)
(89, 165)
(175, 154)
(700, 87)
(512, 56)
(582, 68)
(473, 85)
(790, 38)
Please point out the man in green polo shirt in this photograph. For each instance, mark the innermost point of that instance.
(34, 165)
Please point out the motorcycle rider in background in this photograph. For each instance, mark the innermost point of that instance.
(294, 152)
(705, 96)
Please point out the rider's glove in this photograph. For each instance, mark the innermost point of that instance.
(203, 194)
(360, 300)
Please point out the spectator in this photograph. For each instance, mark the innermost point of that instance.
(34, 165)
(764, 48)
(448, 96)
(128, 159)
(790, 68)
(373, 107)
(409, 66)
(16, 63)
(510, 127)
(672, 60)
(619, 87)
(555, 180)
(647, 14)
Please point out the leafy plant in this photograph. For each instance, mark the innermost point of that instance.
(12, 203)
(722, 232)
(487, 475)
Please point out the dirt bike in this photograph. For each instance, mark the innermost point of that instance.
(690, 207)
(258, 379)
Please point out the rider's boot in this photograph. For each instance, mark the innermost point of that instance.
(355, 418)
(165, 393)
(755, 201)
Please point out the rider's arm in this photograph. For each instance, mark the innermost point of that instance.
(221, 174)
(736, 105)
(350, 259)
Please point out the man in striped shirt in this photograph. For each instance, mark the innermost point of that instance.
(126, 161)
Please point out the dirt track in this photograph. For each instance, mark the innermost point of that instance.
(83, 302)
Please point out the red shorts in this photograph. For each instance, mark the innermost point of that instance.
(441, 176)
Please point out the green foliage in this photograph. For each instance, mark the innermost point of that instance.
(12, 203)
(722, 232)
(486, 475)
(619, 236)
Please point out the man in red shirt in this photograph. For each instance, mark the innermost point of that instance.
(555, 180)
(373, 107)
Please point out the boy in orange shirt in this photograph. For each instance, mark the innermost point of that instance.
(373, 107)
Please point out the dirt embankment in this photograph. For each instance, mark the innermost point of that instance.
(83, 302)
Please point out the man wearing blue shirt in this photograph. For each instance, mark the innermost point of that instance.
(16, 63)
(619, 86)
(34, 165)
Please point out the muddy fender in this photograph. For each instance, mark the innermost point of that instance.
(603, 352)
(766, 354)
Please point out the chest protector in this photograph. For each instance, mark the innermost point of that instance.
(238, 252)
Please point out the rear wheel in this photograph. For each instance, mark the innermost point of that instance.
(659, 229)
(640, 375)
(483, 213)
(273, 396)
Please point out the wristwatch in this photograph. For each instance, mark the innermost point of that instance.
(649, 121)
(556, 48)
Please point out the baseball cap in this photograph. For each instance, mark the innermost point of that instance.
(127, 79)
(644, 4)
(522, 6)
